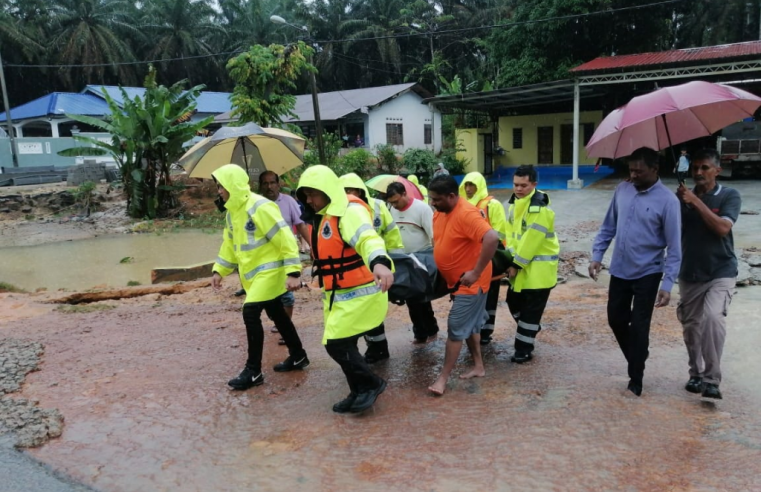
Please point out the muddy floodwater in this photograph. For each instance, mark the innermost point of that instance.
(83, 264)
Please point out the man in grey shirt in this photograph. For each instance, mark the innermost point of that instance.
(709, 270)
(644, 219)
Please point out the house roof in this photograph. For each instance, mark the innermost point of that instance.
(335, 105)
(208, 102)
(672, 57)
(59, 104)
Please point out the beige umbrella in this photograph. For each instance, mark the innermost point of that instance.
(252, 147)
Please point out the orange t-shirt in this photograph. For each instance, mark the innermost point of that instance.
(457, 238)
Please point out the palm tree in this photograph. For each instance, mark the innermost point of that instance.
(247, 22)
(178, 30)
(92, 36)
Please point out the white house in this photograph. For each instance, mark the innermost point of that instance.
(391, 114)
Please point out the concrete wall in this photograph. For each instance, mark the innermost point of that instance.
(43, 151)
(529, 123)
(407, 111)
(472, 141)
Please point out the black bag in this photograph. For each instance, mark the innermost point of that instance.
(411, 280)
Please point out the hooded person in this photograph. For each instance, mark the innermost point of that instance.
(258, 244)
(423, 190)
(440, 170)
(535, 248)
(384, 225)
(473, 189)
(354, 271)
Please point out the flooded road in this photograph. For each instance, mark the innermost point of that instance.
(83, 264)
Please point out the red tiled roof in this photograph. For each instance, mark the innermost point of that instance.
(737, 50)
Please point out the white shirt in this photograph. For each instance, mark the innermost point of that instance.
(415, 224)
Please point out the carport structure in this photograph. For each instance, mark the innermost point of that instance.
(609, 82)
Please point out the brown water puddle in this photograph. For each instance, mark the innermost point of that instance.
(143, 391)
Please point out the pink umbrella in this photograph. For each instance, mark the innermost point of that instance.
(381, 182)
(670, 116)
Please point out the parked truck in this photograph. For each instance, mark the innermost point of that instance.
(740, 148)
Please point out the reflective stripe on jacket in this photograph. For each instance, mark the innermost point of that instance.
(532, 240)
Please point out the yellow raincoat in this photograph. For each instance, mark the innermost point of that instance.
(256, 240)
(493, 209)
(359, 309)
(423, 190)
(532, 240)
(383, 222)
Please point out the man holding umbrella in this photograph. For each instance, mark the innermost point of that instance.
(644, 219)
(258, 243)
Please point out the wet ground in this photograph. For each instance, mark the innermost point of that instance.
(142, 389)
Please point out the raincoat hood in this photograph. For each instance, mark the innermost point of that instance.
(413, 179)
(536, 197)
(234, 179)
(481, 190)
(324, 179)
(351, 180)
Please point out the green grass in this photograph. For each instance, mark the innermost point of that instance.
(209, 222)
(6, 287)
(132, 283)
(83, 308)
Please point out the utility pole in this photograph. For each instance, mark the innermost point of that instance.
(8, 122)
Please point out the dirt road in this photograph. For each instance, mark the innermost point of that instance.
(141, 385)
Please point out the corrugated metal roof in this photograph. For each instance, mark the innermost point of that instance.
(335, 105)
(208, 102)
(58, 104)
(706, 53)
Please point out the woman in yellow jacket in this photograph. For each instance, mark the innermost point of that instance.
(355, 273)
(423, 190)
(383, 222)
(259, 244)
(473, 189)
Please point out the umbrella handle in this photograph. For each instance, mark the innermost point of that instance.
(668, 136)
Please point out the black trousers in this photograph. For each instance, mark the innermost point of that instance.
(527, 308)
(424, 322)
(358, 374)
(630, 309)
(492, 299)
(252, 317)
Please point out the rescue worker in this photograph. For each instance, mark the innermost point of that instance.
(384, 225)
(423, 190)
(258, 243)
(473, 189)
(355, 273)
(532, 240)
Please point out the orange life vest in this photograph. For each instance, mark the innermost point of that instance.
(483, 205)
(336, 262)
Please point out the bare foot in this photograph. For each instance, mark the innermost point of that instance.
(474, 373)
(438, 387)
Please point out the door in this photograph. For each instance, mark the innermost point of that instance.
(566, 144)
(545, 142)
(488, 154)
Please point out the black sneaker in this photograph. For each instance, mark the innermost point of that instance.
(246, 379)
(486, 337)
(367, 399)
(344, 406)
(239, 293)
(291, 364)
(694, 385)
(520, 357)
(373, 356)
(711, 390)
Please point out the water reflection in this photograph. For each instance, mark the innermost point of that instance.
(82, 264)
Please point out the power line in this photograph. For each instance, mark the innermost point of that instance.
(392, 36)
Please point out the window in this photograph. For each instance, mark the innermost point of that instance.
(427, 134)
(517, 138)
(394, 134)
(589, 130)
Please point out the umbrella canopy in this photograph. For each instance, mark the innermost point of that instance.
(252, 147)
(381, 182)
(670, 116)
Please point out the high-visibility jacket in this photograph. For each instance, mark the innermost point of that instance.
(338, 264)
(256, 240)
(491, 207)
(383, 222)
(423, 190)
(532, 240)
(354, 310)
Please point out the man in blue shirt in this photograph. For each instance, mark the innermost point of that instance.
(645, 220)
(709, 270)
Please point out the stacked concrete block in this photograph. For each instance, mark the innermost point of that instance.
(89, 171)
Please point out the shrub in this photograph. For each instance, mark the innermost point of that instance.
(453, 164)
(419, 161)
(387, 158)
(358, 161)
